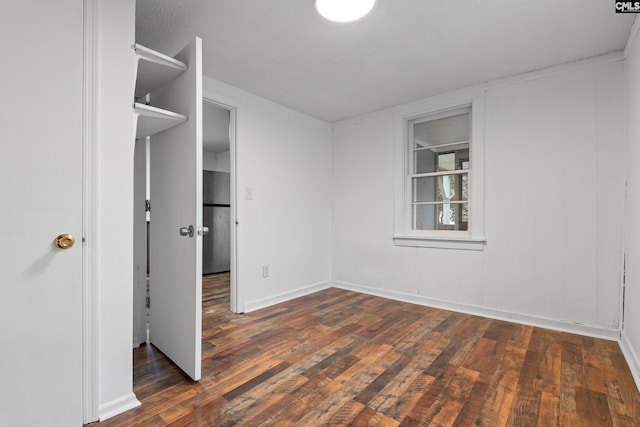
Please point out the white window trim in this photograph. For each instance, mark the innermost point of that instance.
(474, 238)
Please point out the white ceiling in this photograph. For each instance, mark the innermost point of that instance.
(402, 51)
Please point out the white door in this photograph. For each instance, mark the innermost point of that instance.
(41, 198)
(175, 257)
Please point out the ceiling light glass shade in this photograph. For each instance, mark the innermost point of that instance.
(344, 10)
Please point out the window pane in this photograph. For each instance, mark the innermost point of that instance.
(440, 188)
(447, 162)
(441, 159)
(442, 131)
(444, 216)
(425, 161)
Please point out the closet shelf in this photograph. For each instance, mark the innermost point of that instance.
(152, 120)
(154, 70)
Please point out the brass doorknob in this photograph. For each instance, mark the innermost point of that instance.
(64, 241)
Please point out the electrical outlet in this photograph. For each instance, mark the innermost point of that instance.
(265, 271)
(248, 193)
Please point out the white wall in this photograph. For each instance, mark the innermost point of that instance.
(631, 332)
(115, 246)
(216, 161)
(553, 219)
(285, 157)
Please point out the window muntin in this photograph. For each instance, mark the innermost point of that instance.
(438, 176)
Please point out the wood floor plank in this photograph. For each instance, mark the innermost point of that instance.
(627, 397)
(391, 399)
(383, 379)
(521, 336)
(381, 420)
(501, 391)
(352, 381)
(264, 396)
(592, 408)
(288, 411)
(529, 369)
(339, 357)
(548, 374)
(385, 391)
(568, 387)
(549, 413)
(446, 407)
(470, 411)
(431, 394)
(498, 400)
(525, 409)
(481, 355)
(255, 381)
(469, 335)
(334, 359)
(363, 417)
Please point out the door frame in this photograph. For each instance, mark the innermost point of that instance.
(95, 15)
(218, 101)
(90, 215)
(91, 210)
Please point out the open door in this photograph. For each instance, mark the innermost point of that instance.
(175, 237)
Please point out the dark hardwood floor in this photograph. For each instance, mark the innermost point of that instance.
(342, 358)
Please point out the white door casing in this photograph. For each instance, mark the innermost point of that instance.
(40, 198)
(175, 261)
(140, 243)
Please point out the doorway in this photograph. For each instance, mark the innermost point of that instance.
(217, 266)
(218, 157)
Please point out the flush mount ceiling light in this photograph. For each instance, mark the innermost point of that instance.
(344, 10)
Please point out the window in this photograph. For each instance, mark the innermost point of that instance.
(438, 170)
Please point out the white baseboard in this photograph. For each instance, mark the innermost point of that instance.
(118, 406)
(300, 292)
(632, 358)
(559, 325)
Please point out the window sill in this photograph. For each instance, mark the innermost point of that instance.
(461, 243)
